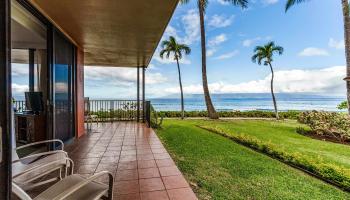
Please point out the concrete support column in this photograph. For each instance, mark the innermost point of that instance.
(143, 94)
(138, 95)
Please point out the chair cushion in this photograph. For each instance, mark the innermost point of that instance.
(91, 191)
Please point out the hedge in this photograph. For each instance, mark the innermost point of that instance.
(223, 114)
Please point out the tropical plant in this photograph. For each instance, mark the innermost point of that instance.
(346, 19)
(169, 47)
(343, 105)
(331, 124)
(202, 5)
(264, 54)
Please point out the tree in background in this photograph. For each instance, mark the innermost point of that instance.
(264, 54)
(202, 5)
(169, 47)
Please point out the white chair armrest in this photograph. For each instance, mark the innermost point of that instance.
(77, 186)
(40, 154)
(19, 192)
(42, 142)
(38, 167)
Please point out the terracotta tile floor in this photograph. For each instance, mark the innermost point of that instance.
(141, 166)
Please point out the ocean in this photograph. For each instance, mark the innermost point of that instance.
(245, 102)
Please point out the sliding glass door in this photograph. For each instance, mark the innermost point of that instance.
(63, 69)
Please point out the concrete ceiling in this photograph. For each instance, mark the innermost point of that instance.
(121, 33)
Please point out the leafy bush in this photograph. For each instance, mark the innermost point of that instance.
(155, 121)
(330, 124)
(337, 175)
(243, 114)
(343, 105)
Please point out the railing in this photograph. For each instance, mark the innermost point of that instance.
(113, 110)
(19, 106)
(108, 110)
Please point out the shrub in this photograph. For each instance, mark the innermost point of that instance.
(243, 114)
(330, 124)
(337, 175)
(343, 105)
(155, 121)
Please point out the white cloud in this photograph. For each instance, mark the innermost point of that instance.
(269, 2)
(336, 44)
(227, 55)
(327, 80)
(250, 42)
(220, 21)
(20, 69)
(190, 23)
(222, 2)
(19, 89)
(124, 77)
(312, 51)
(217, 40)
(210, 52)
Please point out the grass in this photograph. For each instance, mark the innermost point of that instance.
(221, 169)
(283, 136)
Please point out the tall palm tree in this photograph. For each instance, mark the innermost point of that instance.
(202, 5)
(169, 47)
(346, 18)
(264, 54)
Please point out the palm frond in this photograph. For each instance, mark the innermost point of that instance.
(165, 43)
(279, 49)
(185, 48)
(254, 58)
(240, 3)
(203, 4)
(168, 54)
(291, 3)
(265, 53)
(162, 52)
(259, 48)
(171, 46)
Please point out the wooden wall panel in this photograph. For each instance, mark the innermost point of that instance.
(80, 94)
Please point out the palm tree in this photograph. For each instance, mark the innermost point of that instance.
(202, 5)
(264, 54)
(172, 47)
(346, 18)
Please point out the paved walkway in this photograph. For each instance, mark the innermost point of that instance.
(141, 166)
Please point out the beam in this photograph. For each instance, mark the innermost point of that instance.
(138, 94)
(143, 94)
(31, 69)
(5, 100)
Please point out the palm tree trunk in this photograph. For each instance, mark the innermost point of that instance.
(182, 94)
(345, 5)
(272, 93)
(210, 107)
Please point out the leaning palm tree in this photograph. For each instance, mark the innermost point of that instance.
(346, 18)
(202, 5)
(264, 54)
(172, 47)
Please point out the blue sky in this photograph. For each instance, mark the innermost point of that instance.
(311, 33)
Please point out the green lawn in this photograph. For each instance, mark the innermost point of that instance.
(283, 135)
(219, 168)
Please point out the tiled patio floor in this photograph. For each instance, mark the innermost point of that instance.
(141, 166)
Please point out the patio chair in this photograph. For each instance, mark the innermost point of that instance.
(25, 171)
(73, 187)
